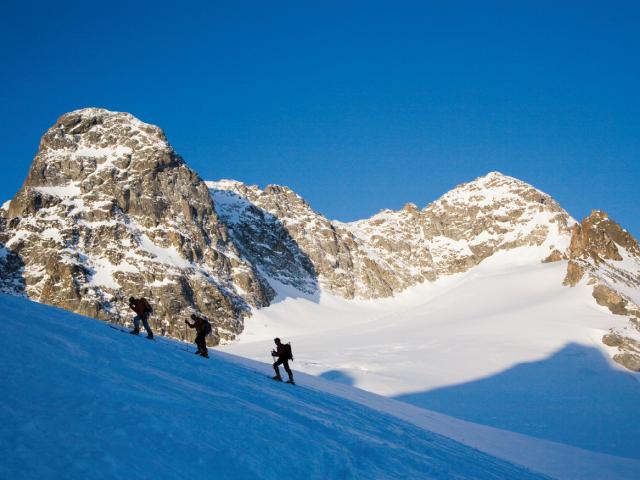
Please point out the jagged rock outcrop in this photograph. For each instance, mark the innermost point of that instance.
(627, 345)
(11, 265)
(325, 254)
(608, 257)
(392, 250)
(109, 210)
(261, 237)
(605, 255)
(617, 303)
(555, 256)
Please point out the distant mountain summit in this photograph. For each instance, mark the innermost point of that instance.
(109, 210)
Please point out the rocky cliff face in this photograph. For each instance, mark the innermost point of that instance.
(606, 256)
(109, 210)
(320, 253)
(263, 238)
(392, 250)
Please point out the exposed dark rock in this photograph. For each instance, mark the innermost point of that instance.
(555, 256)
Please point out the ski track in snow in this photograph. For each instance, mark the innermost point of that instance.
(82, 400)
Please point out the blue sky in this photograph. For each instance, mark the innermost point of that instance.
(357, 106)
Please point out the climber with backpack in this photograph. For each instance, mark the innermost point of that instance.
(203, 328)
(143, 309)
(284, 354)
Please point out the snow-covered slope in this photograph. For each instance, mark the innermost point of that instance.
(82, 400)
(504, 344)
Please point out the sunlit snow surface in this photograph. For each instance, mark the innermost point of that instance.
(504, 345)
(80, 400)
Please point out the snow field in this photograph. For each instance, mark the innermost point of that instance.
(504, 345)
(82, 400)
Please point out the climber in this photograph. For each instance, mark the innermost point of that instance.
(143, 310)
(284, 354)
(203, 328)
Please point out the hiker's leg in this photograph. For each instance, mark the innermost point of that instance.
(285, 364)
(145, 322)
(275, 367)
(136, 323)
(202, 344)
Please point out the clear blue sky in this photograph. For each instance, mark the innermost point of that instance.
(357, 106)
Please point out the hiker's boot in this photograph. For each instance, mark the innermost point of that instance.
(135, 331)
(277, 377)
(291, 379)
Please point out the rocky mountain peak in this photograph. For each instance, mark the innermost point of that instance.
(494, 188)
(491, 213)
(87, 148)
(91, 140)
(410, 207)
(110, 210)
(598, 240)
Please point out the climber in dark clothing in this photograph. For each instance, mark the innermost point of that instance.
(283, 352)
(143, 310)
(203, 328)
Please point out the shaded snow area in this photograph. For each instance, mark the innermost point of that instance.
(80, 399)
(503, 345)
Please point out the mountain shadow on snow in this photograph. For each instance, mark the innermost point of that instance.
(339, 376)
(531, 398)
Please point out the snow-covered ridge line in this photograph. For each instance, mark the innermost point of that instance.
(393, 250)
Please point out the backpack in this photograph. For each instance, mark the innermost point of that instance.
(146, 305)
(207, 327)
(287, 351)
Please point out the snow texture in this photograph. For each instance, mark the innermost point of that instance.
(83, 400)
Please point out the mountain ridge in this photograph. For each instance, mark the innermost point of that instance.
(109, 209)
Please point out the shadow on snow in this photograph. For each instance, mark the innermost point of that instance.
(574, 397)
(338, 376)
